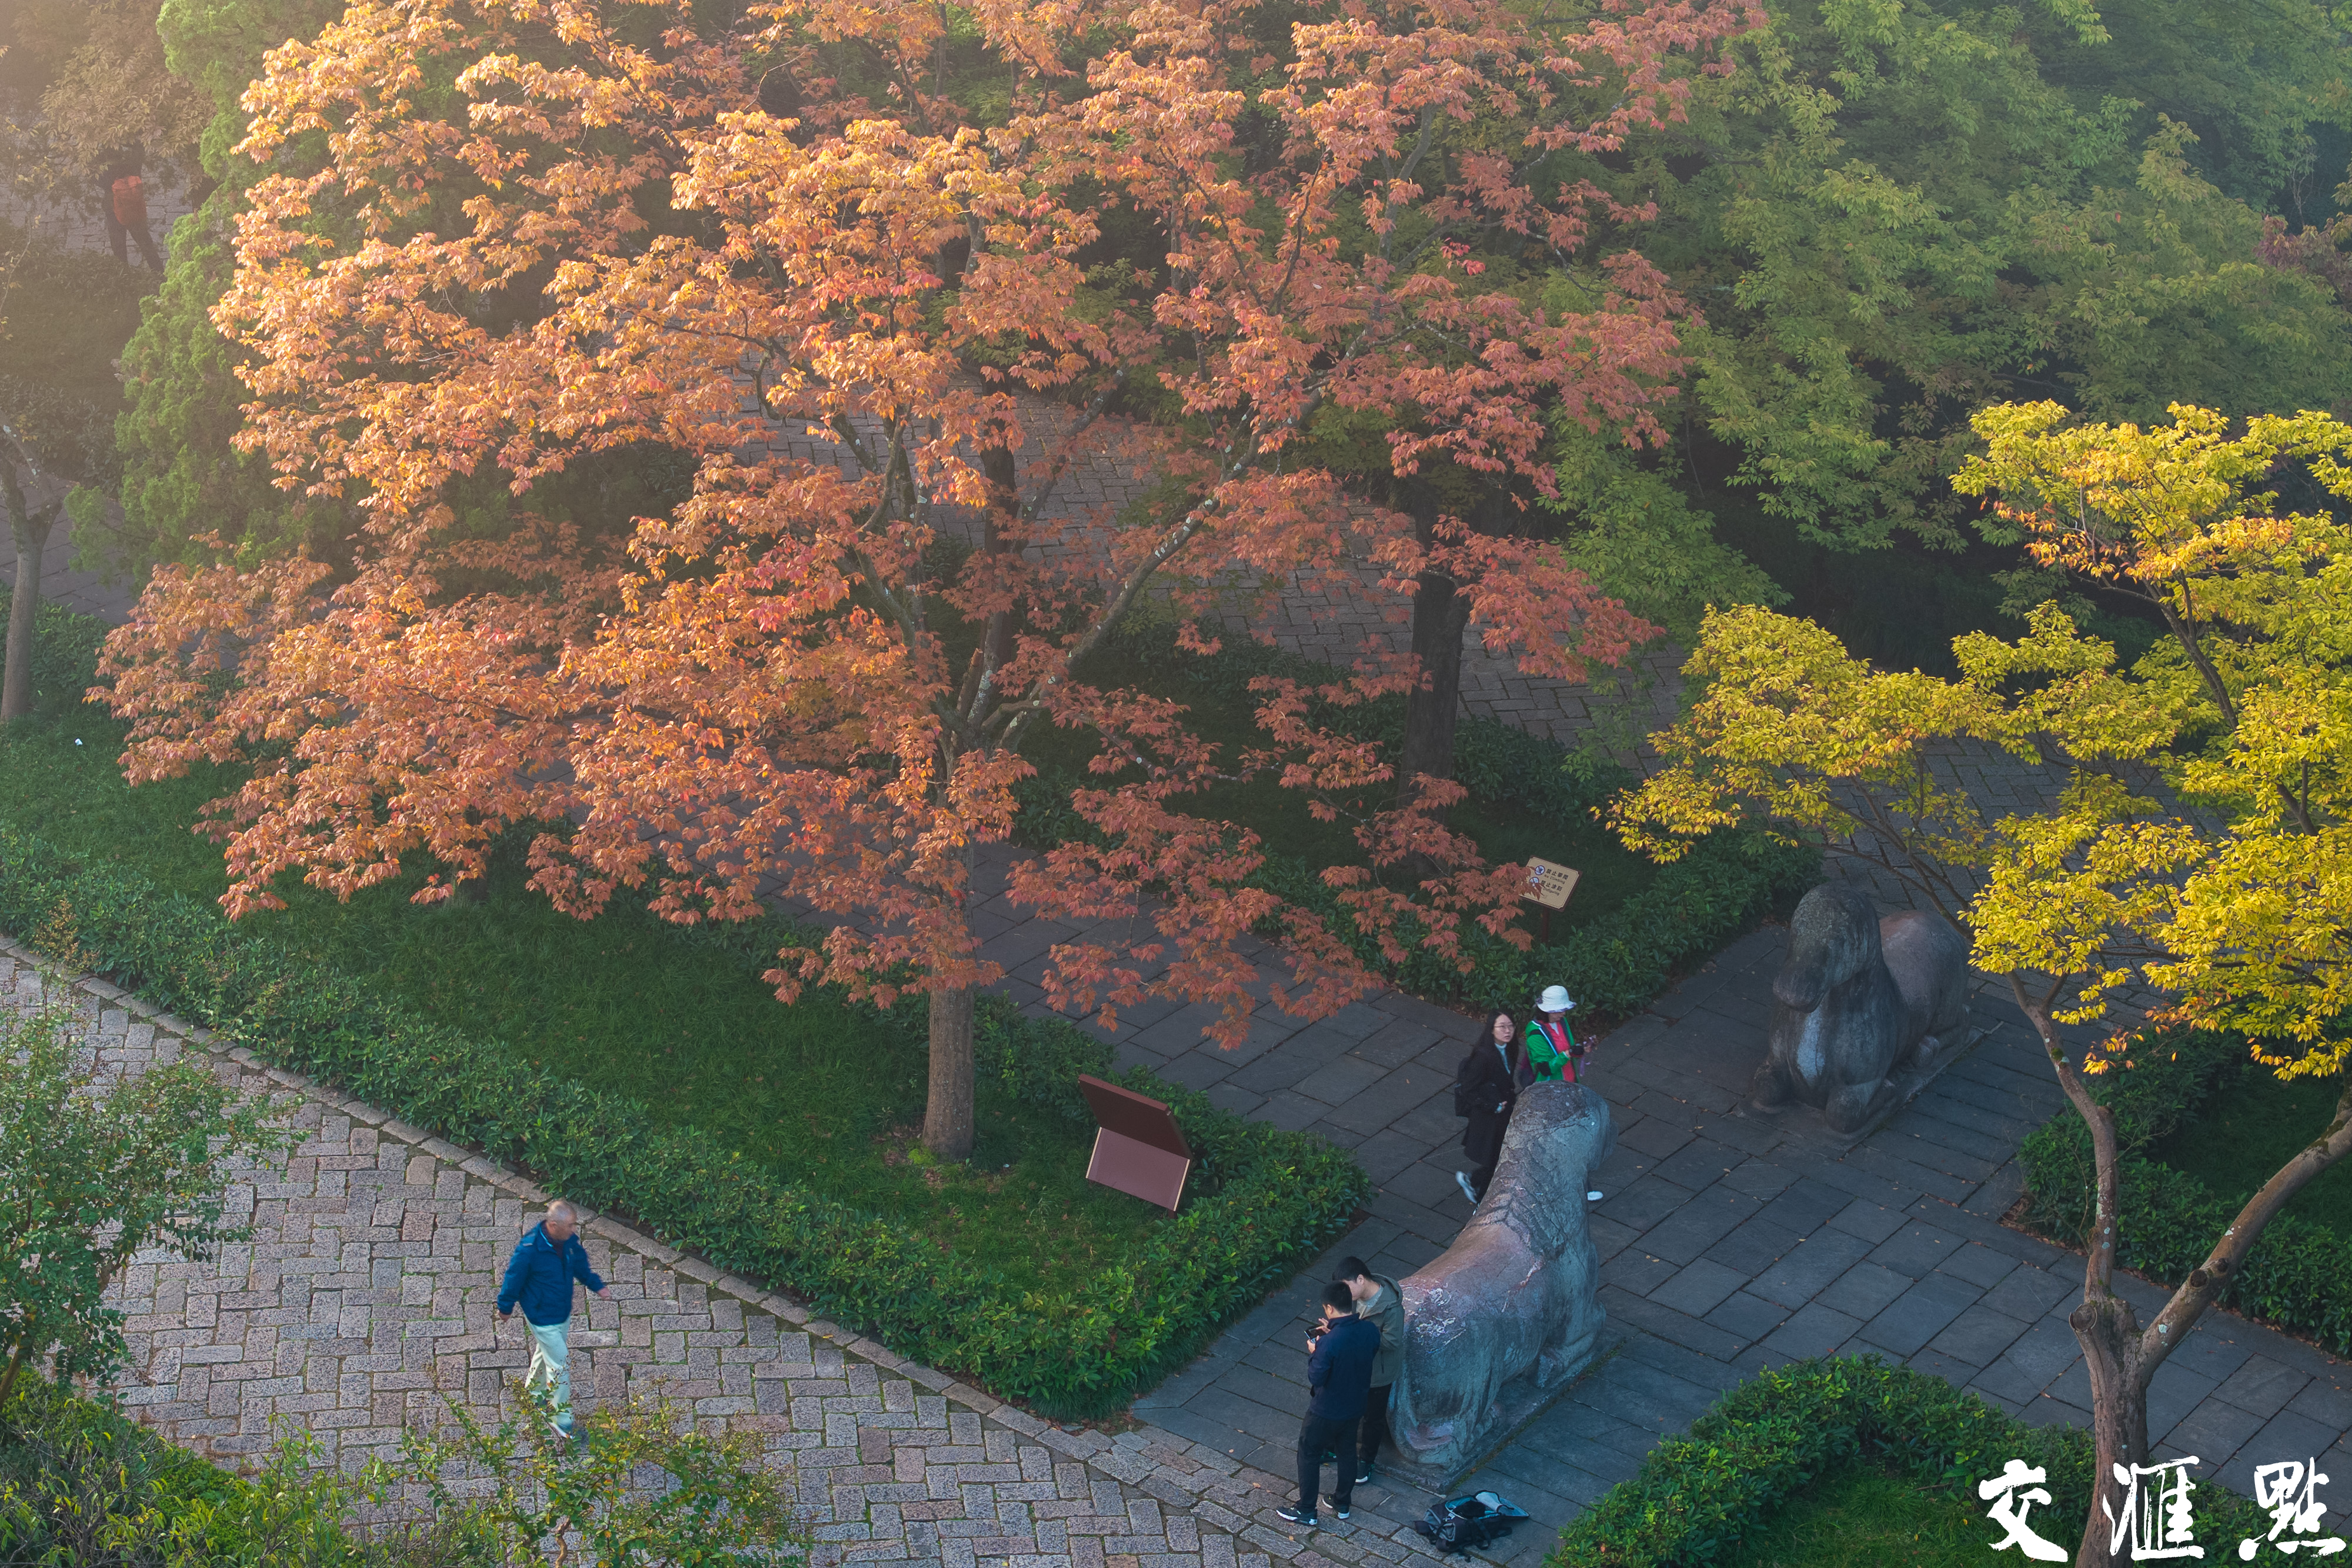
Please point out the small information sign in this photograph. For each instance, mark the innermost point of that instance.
(1550, 882)
(1138, 1150)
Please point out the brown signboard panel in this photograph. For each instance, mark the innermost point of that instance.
(1140, 1150)
(1550, 882)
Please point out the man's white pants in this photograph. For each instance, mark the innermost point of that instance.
(551, 1353)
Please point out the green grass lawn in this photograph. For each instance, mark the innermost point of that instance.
(821, 1093)
(1860, 1516)
(2243, 1135)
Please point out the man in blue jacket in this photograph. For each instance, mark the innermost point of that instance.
(538, 1276)
(1339, 1380)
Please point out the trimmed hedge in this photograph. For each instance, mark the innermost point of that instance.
(147, 1465)
(1267, 1199)
(2299, 1275)
(1765, 1440)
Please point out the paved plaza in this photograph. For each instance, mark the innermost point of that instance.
(1732, 1240)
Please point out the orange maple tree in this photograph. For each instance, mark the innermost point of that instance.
(504, 237)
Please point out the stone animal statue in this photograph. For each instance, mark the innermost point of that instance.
(1860, 1002)
(1517, 1292)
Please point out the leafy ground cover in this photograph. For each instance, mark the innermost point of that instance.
(83, 1483)
(2237, 1140)
(1865, 1516)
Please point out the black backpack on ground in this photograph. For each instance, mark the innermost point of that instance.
(1465, 1522)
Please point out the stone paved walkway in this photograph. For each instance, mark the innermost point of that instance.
(79, 225)
(1735, 1240)
(369, 1284)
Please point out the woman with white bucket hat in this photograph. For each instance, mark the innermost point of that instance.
(1551, 1053)
(1551, 1045)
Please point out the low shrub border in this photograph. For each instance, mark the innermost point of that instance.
(44, 1425)
(2299, 1276)
(1269, 1200)
(1765, 1440)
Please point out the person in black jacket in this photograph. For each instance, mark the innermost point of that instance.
(1491, 1076)
(1339, 1380)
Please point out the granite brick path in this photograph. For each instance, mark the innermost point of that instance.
(368, 1286)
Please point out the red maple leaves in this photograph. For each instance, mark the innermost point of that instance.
(592, 241)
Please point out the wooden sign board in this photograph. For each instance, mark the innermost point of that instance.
(1140, 1150)
(1550, 882)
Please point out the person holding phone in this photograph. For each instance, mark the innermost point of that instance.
(1339, 1354)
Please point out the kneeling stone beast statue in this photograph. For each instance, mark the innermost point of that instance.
(1861, 1004)
(1517, 1295)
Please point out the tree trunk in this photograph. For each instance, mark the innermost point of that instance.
(1441, 614)
(2120, 1355)
(2109, 1334)
(996, 465)
(28, 1335)
(981, 687)
(947, 1112)
(24, 601)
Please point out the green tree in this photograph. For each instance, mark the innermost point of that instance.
(1894, 214)
(1631, 530)
(182, 477)
(63, 318)
(2200, 838)
(95, 1169)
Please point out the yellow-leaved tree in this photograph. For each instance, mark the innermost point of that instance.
(2197, 840)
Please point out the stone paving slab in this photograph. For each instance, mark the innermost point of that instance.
(370, 1281)
(1733, 1240)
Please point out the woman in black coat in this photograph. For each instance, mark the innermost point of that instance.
(1491, 1078)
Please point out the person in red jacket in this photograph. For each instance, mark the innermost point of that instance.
(122, 199)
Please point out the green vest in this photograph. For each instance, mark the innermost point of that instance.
(1551, 1064)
